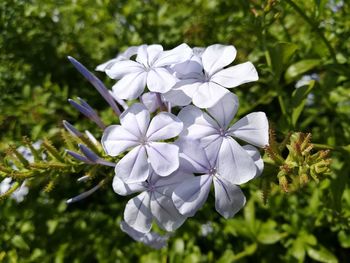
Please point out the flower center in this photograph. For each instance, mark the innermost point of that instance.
(151, 188)
(143, 141)
(212, 171)
(222, 132)
(206, 77)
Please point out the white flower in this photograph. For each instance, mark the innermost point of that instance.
(138, 132)
(150, 68)
(191, 195)
(217, 136)
(153, 203)
(205, 88)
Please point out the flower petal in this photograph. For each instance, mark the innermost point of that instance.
(124, 67)
(193, 156)
(229, 198)
(253, 128)
(107, 65)
(166, 185)
(208, 94)
(191, 195)
(151, 239)
(160, 80)
(129, 52)
(165, 213)
(164, 126)
(116, 139)
(181, 94)
(137, 213)
(212, 145)
(255, 154)
(234, 163)
(147, 54)
(176, 55)
(197, 124)
(133, 167)
(188, 67)
(122, 188)
(149, 99)
(164, 157)
(236, 75)
(130, 86)
(216, 57)
(136, 120)
(224, 111)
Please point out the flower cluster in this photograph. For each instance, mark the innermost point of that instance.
(180, 137)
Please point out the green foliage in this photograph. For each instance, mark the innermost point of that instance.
(284, 39)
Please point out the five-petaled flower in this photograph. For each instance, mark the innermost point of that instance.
(141, 133)
(217, 136)
(190, 195)
(205, 79)
(151, 68)
(154, 202)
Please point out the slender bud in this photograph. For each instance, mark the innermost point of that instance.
(78, 157)
(86, 109)
(99, 86)
(85, 194)
(71, 129)
(93, 157)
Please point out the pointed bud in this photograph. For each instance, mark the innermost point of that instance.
(88, 111)
(85, 194)
(71, 129)
(78, 157)
(99, 86)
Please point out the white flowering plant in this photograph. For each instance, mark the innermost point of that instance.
(173, 135)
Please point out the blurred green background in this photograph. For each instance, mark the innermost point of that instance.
(284, 39)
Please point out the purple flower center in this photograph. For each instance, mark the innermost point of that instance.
(222, 132)
(143, 141)
(212, 171)
(151, 187)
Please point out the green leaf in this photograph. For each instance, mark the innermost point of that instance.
(19, 242)
(268, 233)
(249, 216)
(280, 55)
(298, 249)
(344, 239)
(227, 254)
(308, 238)
(299, 99)
(248, 250)
(321, 254)
(299, 68)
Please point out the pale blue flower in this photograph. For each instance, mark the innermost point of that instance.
(205, 78)
(217, 135)
(140, 134)
(150, 69)
(190, 195)
(153, 203)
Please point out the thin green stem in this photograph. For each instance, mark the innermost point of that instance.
(314, 27)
